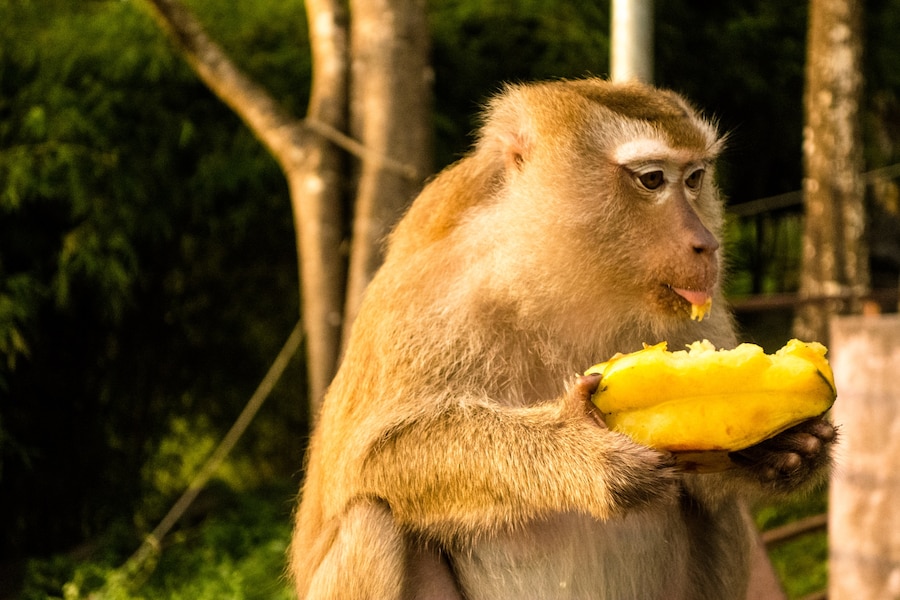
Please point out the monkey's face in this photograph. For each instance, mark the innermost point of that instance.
(608, 203)
(637, 219)
(669, 207)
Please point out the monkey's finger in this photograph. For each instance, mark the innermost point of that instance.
(769, 466)
(594, 413)
(820, 428)
(808, 439)
(586, 386)
(817, 426)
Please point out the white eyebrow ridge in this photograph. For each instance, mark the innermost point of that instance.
(649, 149)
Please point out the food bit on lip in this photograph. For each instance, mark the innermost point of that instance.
(698, 311)
(700, 300)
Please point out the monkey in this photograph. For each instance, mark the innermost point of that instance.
(457, 453)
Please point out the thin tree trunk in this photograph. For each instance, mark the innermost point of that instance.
(316, 195)
(311, 162)
(390, 112)
(835, 258)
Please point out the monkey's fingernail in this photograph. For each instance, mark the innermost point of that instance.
(596, 416)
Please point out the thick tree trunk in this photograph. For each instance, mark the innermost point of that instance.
(390, 113)
(835, 260)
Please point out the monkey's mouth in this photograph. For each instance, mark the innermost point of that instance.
(700, 301)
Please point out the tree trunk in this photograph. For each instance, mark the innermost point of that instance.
(390, 112)
(391, 107)
(315, 183)
(311, 163)
(835, 259)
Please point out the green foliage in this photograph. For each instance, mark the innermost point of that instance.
(771, 515)
(479, 45)
(237, 552)
(801, 563)
(269, 40)
(764, 253)
(18, 294)
(881, 116)
(742, 61)
(147, 261)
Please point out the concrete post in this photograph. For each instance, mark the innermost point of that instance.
(864, 501)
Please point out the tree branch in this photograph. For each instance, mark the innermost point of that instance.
(275, 128)
(308, 152)
(357, 149)
(311, 164)
(278, 130)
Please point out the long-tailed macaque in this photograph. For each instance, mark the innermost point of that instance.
(457, 454)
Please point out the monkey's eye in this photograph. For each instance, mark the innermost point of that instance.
(652, 179)
(695, 179)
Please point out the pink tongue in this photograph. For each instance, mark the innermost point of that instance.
(693, 296)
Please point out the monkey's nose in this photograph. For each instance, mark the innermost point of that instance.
(693, 232)
(704, 242)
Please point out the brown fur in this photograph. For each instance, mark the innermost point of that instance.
(457, 454)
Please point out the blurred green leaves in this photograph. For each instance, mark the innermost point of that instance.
(147, 260)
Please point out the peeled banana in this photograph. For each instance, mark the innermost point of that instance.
(707, 400)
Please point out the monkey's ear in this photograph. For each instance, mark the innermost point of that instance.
(515, 151)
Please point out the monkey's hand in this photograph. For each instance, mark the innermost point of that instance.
(791, 459)
(636, 475)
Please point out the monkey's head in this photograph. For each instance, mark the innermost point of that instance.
(587, 200)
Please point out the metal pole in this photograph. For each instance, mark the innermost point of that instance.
(631, 40)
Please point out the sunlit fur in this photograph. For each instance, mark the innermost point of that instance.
(454, 455)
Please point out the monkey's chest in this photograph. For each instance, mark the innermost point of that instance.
(643, 556)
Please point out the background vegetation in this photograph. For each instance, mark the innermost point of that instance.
(147, 265)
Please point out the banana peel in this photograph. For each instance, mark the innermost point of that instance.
(702, 403)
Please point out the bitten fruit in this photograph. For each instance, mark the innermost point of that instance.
(706, 400)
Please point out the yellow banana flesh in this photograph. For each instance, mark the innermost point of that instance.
(706, 400)
(698, 311)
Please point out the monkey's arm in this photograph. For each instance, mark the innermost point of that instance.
(476, 466)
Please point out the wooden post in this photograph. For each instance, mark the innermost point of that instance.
(864, 503)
